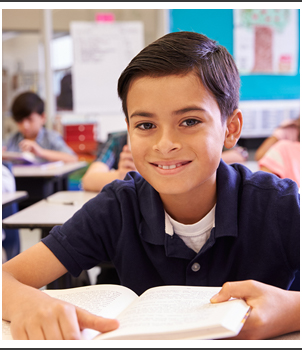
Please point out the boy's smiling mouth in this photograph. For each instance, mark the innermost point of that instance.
(170, 165)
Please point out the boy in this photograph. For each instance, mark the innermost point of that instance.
(116, 160)
(185, 217)
(28, 113)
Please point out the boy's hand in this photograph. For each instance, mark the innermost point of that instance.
(126, 162)
(54, 319)
(31, 146)
(274, 311)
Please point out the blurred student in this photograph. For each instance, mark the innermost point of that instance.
(185, 217)
(47, 145)
(283, 160)
(280, 153)
(287, 130)
(113, 163)
(237, 154)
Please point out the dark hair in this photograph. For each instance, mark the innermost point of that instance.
(180, 53)
(25, 104)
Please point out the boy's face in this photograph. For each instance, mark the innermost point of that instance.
(31, 125)
(176, 133)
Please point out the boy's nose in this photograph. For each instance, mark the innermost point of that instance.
(24, 124)
(166, 142)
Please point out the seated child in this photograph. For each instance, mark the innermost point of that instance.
(185, 217)
(283, 160)
(114, 162)
(287, 130)
(46, 145)
(280, 153)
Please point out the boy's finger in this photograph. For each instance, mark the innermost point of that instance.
(98, 323)
(69, 326)
(241, 290)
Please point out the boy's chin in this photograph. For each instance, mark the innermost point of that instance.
(29, 136)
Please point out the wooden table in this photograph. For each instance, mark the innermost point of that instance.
(40, 181)
(54, 210)
(288, 336)
(13, 197)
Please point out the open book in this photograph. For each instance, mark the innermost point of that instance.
(20, 157)
(161, 313)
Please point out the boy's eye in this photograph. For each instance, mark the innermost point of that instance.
(190, 122)
(145, 126)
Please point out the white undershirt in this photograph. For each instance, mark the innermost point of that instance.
(194, 235)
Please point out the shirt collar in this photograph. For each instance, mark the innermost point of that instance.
(154, 224)
(202, 225)
(168, 226)
(228, 183)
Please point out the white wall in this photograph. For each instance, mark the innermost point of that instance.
(20, 53)
(22, 48)
(25, 50)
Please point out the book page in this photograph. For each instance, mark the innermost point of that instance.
(21, 157)
(28, 158)
(175, 310)
(102, 300)
(107, 300)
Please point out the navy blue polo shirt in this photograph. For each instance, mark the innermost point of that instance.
(256, 234)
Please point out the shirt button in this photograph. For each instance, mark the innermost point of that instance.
(195, 267)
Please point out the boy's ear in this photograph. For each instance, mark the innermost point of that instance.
(233, 128)
(43, 116)
(126, 120)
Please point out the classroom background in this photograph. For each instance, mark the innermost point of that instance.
(73, 57)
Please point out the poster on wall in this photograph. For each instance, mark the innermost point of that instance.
(101, 52)
(266, 41)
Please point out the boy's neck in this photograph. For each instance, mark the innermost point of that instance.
(190, 208)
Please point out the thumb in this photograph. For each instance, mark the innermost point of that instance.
(240, 290)
(98, 323)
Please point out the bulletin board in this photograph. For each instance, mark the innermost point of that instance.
(219, 25)
(101, 52)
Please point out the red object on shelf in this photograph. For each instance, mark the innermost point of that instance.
(83, 147)
(80, 129)
(81, 138)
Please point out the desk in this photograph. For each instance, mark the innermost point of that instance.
(288, 336)
(40, 181)
(13, 197)
(50, 212)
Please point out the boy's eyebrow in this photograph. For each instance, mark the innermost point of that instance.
(189, 109)
(179, 111)
(141, 114)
